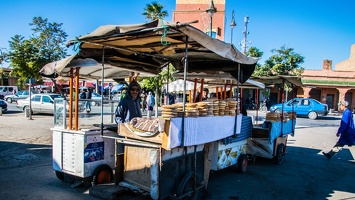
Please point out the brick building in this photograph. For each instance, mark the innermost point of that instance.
(331, 86)
(190, 10)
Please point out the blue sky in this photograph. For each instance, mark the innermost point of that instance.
(316, 29)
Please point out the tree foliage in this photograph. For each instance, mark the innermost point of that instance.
(156, 83)
(28, 56)
(154, 11)
(3, 55)
(284, 61)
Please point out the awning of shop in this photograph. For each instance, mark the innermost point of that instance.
(219, 79)
(272, 80)
(147, 48)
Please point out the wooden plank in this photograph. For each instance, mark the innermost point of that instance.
(165, 134)
(209, 148)
(125, 132)
(137, 166)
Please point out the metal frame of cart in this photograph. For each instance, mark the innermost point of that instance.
(124, 48)
(269, 140)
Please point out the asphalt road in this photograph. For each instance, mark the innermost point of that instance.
(26, 166)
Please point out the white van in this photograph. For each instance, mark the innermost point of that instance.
(7, 90)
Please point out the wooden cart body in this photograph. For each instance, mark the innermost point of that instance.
(266, 138)
(149, 164)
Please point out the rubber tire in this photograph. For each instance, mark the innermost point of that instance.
(280, 153)
(9, 100)
(60, 175)
(242, 164)
(186, 185)
(263, 109)
(102, 174)
(312, 115)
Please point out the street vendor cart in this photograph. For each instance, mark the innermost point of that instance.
(269, 139)
(168, 160)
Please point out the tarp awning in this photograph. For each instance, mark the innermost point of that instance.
(147, 48)
(272, 80)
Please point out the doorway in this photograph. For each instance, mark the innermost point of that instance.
(330, 101)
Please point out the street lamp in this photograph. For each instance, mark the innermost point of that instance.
(233, 24)
(211, 10)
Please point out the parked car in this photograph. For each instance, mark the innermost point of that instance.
(3, 105)
(7, 90)
(96, 99)
(303, 107)
(22, 94)
(40, 103)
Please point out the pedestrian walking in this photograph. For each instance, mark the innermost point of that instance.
(345, 132)
(150, 103)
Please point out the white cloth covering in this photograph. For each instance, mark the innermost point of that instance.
(202, 130)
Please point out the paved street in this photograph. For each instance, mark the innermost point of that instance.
(26, 166)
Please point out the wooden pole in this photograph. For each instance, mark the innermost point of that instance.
(225, 91)
(71, 99)
(194, 93)
(76, 114)
(201, 89)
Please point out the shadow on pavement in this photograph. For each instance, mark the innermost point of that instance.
(304, 174)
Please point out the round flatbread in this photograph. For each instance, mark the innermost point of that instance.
(167, 116)
(168, 106)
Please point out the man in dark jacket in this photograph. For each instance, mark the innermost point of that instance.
(129, 106)
(345, 131)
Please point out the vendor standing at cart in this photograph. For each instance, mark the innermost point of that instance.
(129, 106)
(204, 95)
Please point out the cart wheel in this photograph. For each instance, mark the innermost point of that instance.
(187, 185)
(242, 163)
(280, 153)
(60, 175)
(102, 174)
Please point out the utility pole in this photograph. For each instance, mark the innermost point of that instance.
(244, 43)
(233, 24)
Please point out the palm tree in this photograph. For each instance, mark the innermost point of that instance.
(154, 11)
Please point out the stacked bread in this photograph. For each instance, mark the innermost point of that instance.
(215, 107)
(179, 109)
(221, 107)
(232, 107)
(191, 110)
(168, 111)
(202, 109)
(209, 105)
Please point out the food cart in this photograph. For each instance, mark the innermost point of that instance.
(171, 162)
(269, 139)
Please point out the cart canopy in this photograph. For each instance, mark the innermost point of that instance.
(147, 48)
(272, 80)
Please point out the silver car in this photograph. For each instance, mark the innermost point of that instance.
(40, 103)
(22, 94)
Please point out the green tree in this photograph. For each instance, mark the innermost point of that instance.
(3, 55)
(28, 56)
(256, 53)
(284, 61)
(156, 83)
(154, 11)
